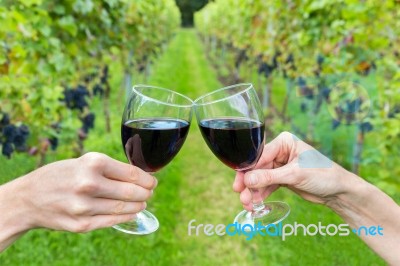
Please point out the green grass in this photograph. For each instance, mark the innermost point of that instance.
(195, 185)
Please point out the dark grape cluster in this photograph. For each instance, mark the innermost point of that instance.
(320, 61)
(347, 111)
(53, 143)
(76, 98)
(104, 75)
(88, 122)
(366, 127)
(394, 111)
(305, 90)
(90, 77)
(98, 90)
(267, 69)
(325, 91)
(335, 124)
(241, 57)
(53, 140)
(12, 137)
(353, 106)
(5, 120)
(20, 138)
(290, 61)
(290, 64)
(142, 64)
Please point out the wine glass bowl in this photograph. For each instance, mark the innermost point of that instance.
(226, 121)
(154, 126)
(232, 124)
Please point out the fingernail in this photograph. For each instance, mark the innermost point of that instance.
(253, 179)
(151, 192)
(144, 206)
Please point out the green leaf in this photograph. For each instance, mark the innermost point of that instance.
(68, 24)
(83, 6)
(45, 30)
(59, 9)
(30, 3)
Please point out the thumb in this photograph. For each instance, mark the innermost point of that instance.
(260, 178)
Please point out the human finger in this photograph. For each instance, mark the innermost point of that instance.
(278, 151)
(238, 184)
(115, 207)
(117, 170)
(112, 189)
(89, 223)
(284, 175)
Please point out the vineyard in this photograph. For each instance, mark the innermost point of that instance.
(328, 71)
(55, 58)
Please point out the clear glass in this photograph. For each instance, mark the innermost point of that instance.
(154, 126)
(232, 123)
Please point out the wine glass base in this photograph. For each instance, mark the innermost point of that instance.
(273, 213)
(145, 223)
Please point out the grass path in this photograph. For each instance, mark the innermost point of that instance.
(205, 191)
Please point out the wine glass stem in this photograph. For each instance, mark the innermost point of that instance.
(258, 203)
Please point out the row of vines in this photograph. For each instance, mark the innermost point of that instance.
(55, 57)
(339, 61)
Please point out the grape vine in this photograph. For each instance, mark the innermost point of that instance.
(54, 57)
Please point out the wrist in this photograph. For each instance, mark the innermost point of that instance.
(14, 220)
(353, 202)
(364, 205)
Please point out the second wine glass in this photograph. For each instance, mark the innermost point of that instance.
(232, 123)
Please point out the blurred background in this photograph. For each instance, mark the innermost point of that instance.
(326, 70)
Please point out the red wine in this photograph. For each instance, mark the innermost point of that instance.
(151, 144)
(237, 142)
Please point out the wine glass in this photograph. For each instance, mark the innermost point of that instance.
(154, 126)
(232, 124)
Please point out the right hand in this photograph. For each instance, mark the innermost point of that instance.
(288, 161)
(82, 194)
